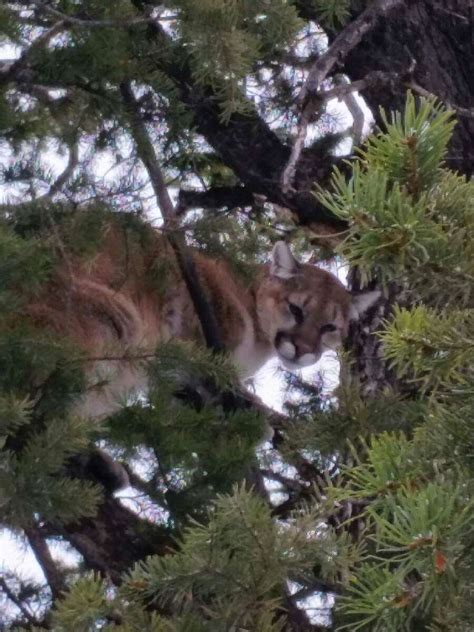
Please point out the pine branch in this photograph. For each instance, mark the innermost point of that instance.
(19, 604)
(146, 152)
(53, 575)
(75, 21)
(13, 71)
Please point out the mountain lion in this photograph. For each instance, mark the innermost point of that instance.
(293, 311)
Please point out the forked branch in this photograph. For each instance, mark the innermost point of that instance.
(311, 97)
(348, 39)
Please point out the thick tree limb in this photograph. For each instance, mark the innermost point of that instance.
(109, 542)
(214, 198)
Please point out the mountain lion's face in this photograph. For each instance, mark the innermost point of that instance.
(305, 311)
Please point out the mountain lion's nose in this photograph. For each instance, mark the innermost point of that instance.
(285, 346)
(297, 354)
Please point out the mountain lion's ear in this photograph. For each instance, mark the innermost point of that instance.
(362, 302)
(283, 265)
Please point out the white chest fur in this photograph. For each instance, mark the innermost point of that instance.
(250, 355)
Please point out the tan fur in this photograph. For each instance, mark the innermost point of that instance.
(324, 301)
(109, 309)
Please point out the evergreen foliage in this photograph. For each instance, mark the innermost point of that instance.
(366, 520)
(227, 574)
(332, 13)
(415, 486)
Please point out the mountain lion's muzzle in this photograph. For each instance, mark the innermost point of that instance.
(294, 353)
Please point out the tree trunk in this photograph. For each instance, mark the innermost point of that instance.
(429, 43)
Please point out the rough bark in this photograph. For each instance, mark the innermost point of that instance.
(436, 39)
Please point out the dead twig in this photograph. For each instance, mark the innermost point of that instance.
(127, 23)
(19, 604)
(11, 71)
(460, 111)
(348, 39)
(309, 98)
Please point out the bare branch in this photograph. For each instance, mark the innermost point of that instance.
(18, 603)
(309, 98)
(289, 171)
(379, 77)
(12, 70)
(343, 44)
(68, 171)
(71, 20)
(374, 78)
(147, 155)
(460, 111)
(354, 109)
(54, 576)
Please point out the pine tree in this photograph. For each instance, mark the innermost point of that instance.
(368, 524)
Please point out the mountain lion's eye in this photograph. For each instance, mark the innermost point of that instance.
(325, 329)
(297, 313)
